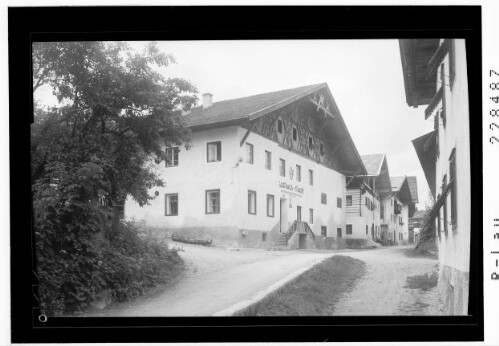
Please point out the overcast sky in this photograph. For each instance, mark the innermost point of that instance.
(364, 76)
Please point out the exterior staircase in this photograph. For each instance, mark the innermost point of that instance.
(281, 243)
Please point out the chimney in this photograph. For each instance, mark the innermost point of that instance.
(207, 100)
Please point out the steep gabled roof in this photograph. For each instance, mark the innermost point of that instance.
(373, 163)
(246, 108)
(397, 183)
(413, 188)
(244, 111)
(401, 187)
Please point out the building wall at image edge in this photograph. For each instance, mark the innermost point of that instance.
(234, 226)
(454, 248)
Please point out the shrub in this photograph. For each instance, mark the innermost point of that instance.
(123, 262)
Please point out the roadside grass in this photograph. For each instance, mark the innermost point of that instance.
(313, 293)
(415, 253)
(422, 282)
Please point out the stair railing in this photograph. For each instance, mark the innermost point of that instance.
(301, 227)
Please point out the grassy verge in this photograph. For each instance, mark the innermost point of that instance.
(313, 293)
(423, 282)
(421, 253)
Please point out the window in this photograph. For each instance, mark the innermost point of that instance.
(282, 167)
(323, 198)
(391, 202)
(452, 180)
(279, 125)
(172, 157)
(264, 236)
(366, 201)
(349, 229)
(214, 151)
(371, 205)
(444, 184)
(443, 112)
(349, 200)
(295, 133)
(298, 173)
(171, 204)
(311, 177)
(249, 153)
(213, 202)
(452, 63)
(382, 211)
(338, 202)
(270, 205)
(251, 202)
(310, 142)
(268, 159)
(322, 148)
(324, 231)
(311, 216)
(298, 213)
(439, 226)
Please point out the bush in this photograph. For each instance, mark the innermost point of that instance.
(134, 261)
(124, 262)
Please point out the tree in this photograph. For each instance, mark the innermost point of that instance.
(115, 110)
(115, 113)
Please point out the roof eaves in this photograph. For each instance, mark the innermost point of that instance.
(256, 114)
(214, 125)
(340, 118)
(381, 164)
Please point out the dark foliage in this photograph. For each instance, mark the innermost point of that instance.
(98, 146)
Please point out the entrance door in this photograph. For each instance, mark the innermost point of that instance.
(283, 214)
(298, 213)
(302, 241)
(338, 232)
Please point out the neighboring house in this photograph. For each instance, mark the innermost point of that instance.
(364, 197)
(435, 74)
(415, 223)
(379, 207)
(405, 197)
(262, 170)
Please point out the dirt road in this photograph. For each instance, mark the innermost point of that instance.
(383, 290)
(218, 281)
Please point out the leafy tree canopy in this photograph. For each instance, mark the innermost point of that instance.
(115, 111)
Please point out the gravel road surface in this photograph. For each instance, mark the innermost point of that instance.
(216, 280)
(383, 291)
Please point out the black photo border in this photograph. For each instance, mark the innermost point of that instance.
(28, 24)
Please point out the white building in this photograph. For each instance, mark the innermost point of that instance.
(405, 195)
(364, 196)
(262, 170)
(379, 206)
(435, 74)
